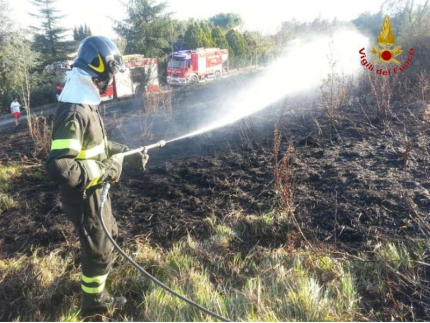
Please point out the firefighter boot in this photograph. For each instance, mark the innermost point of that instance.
(101, 303)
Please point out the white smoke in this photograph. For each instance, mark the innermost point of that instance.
(305, 63)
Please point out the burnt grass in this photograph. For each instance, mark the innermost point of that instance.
(364, 182)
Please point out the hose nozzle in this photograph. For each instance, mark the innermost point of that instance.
(159, 144)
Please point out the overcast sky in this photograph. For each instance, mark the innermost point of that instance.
(258, 15)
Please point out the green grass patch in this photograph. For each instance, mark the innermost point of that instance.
(7, 202)
(280, 287)
(39, 287)
(8, 174)
(258, 226)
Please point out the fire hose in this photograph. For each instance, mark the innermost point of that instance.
(105, 191)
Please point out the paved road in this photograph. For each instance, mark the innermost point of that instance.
(8, 120)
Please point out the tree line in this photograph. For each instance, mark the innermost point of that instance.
(28, 57)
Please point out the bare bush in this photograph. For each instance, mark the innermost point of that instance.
(247, 134)
(423, 86)
(156, 102)
(42, 134)
(335, 93)
(283, 173)
(146, 122)
(427, 114)
(381, 95)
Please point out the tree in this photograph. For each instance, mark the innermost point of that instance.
(75, 33)
(49, 37)
(237, 46)
(194, 37)
(177, 35)
(259, 46)
(87, 31)
(6, 23)
(226, 20)
(81, 33)
(218, 38)
(147, 29)
(207, 35)
(6, 35)
(22, 60)
(288, 31)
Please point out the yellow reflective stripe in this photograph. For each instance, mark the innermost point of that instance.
(94, 182)
(73, 144)
(93, 290)
(92, 152)
(96, 279)
(93, 169)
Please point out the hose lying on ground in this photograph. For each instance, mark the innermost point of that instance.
(143, 271)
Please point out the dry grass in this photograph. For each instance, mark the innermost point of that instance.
(276, 286)
(423, 86)
(427, 114)
(38, 287)
(156, 102)
(335, 93)
(378, 96)
(283, 174)
(263, 284)
(7, 175)
(42, 135)
(7, 202)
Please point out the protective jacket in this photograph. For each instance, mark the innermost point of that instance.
(79, 145)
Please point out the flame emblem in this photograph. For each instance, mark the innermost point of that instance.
(387, 52)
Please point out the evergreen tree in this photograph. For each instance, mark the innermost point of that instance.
(236, 42)
(206, 35)
(147, 30)
(86, 31)
(226, 20)
(49, 37)
(81, 33)
(218, 38)
(89, 32)
(194, 37)
(237, 46)
(75, 33)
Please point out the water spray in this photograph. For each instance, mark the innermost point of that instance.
(301, 69)
(298, 71)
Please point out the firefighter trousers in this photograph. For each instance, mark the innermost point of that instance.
(81, 208)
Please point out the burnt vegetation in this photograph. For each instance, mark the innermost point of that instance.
(332, 206)
(314, 209)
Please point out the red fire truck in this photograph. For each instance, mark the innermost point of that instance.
(192, 66)
(139, 70)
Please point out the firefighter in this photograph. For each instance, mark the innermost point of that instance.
(81, 161)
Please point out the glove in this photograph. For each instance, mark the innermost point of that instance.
(137, 161)
(116, 148)
(113, 169)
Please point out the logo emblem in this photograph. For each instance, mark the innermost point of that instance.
(101, 67)
(72, 125)
(387, 52)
